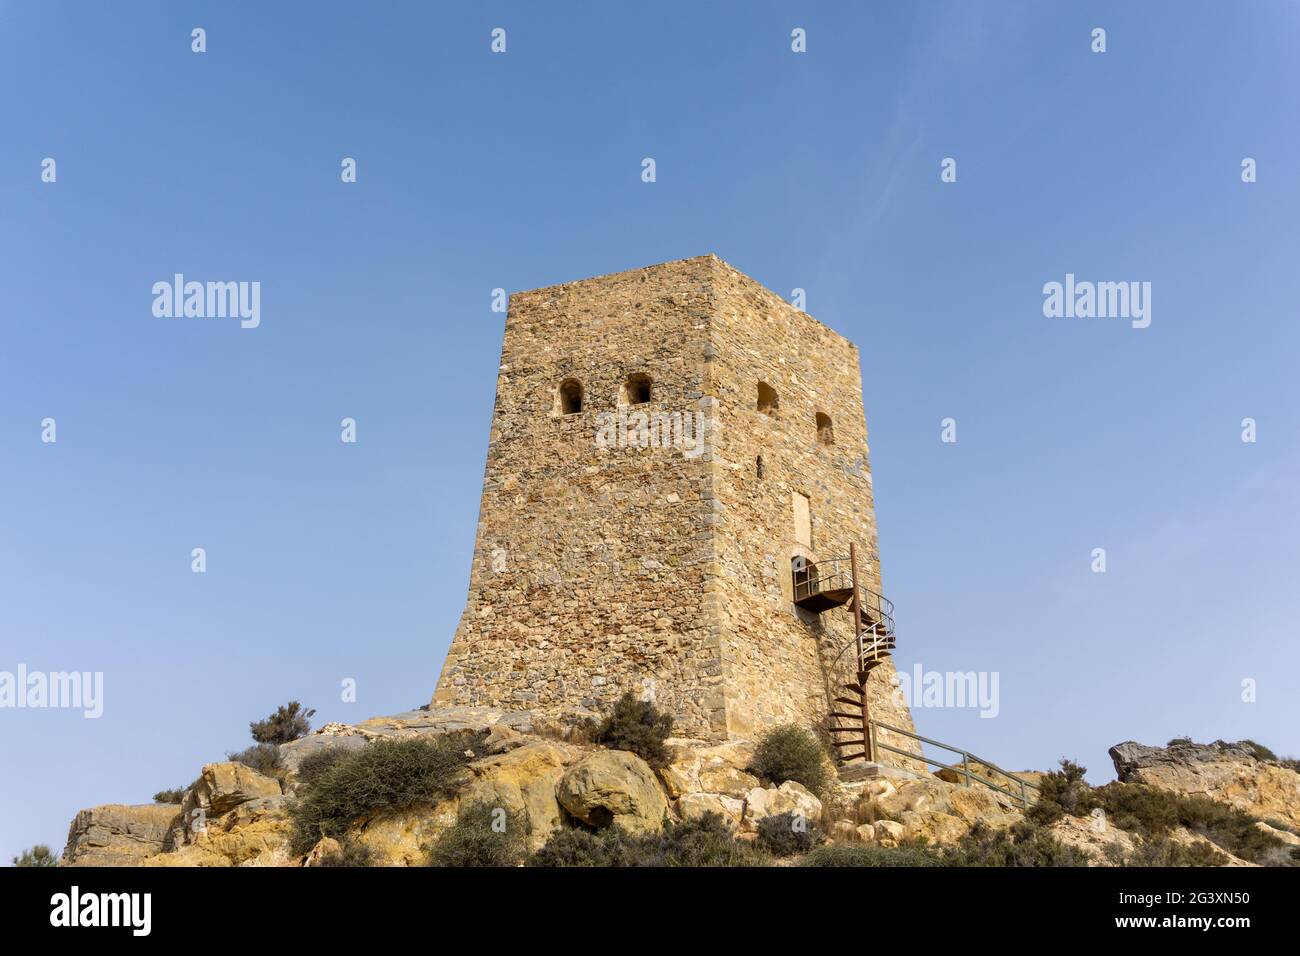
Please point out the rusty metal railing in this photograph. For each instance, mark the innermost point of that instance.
(835, 574)
(1022, 786)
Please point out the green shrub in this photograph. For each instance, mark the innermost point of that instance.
(1114, 854)
(350, 853)
(1259, 750)
(38, 855)
(1162, 851)
(1179, 741)
(574, 847)
(385, 775)
(315, 765)
(1060, 792)
(1023, 844)
(170, 796)
(792, 753)
(1231, 829)
(1150, 812)
(289, 722)
(483, 835)
(846, 854)
(637, 726)
(1146, 812)
(264, 758)
(704, 841)
(1263, 753)
(785, 834)
(1138, 808)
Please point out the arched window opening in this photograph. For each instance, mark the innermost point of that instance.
(637, 390)
(825, 433)
(767, 399)
(805, 576)
(569, 398)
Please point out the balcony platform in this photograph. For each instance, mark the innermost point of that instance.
(819, 601)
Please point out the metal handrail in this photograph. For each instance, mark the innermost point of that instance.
(964, 768)
(868, 650)
(835, 569)
(833, 574)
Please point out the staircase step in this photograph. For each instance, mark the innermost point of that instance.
(851, 703)
(845, 716)
(846, 743)
(861, 753)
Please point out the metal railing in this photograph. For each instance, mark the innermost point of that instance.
(872, 645)
(835, 574)
(1021, 786)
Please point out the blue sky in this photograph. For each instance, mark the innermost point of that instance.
(819, 170)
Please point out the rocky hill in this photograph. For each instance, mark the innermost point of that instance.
(1240, 774)
(234, 815)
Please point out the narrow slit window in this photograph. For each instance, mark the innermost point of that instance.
(768, 400)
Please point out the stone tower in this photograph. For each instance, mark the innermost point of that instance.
(665, 443)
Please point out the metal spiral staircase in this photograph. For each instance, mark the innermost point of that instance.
(834, 583)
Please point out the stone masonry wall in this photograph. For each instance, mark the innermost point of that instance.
(776, 656)
(590, 565)
(600, 570)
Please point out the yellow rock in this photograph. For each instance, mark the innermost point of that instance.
(692, 806)
(613, 787)
(1227, 772)
(405, 838)
(118, 835)
(934, 827)
(523, 780)
(188, 856)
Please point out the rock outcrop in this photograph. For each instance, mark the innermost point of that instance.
(295, 752)
(221, 788)
(404, 838)
(929, 808)
(235, 816)
(524, 779)
(1103, 844)
(254, 833)
(613, 787)
(440, 720)
(693, 806)
(118, 835)
(1110, 846)
(790, 797)
(1231, 773)
(697, 767)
